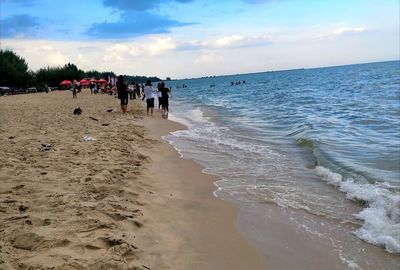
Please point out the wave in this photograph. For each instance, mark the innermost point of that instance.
(381, 217)
(381, 213)
(306, 143)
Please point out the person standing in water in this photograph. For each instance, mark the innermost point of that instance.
(164, 100)
(122, 89)
(149, 95)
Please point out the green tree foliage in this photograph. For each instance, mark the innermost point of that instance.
(52, 76)
(13, 70)
(140, 79)
(98, 75)
(93, 74)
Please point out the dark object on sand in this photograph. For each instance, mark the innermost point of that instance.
(104, 125)
(23, 208)
(77, 111)
(93, 118)
(46, 146)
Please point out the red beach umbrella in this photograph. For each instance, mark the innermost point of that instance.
(102, 81)
(92, 80)
(65, 82)
(84, 82)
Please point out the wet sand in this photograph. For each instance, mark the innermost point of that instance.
(124, 200)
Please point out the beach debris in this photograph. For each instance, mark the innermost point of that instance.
(77, 111)
(95, 119)
(46, 146)
(138, 224)
(111, 110)
(46, 222)
(27, 240)
(87, 138)
(11, 137)
(23, 208)
(18, 187)
(104, 125)
(18, 217)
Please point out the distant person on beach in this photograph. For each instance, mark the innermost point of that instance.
(164, 99)
(149, 95)
(137, 90)
(78, 87)
(122, 90)
(74, 90)
(131, 92)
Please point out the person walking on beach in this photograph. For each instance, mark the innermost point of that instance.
(149, 95)
(136, 89)
(122, 90)
(74, 90)
(131, 91)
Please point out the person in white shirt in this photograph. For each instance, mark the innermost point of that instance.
(149, 94)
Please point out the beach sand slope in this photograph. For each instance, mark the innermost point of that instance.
(124, 200)
(67, 203)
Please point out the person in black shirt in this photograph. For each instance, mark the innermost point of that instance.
(164, 99)
(122, 89)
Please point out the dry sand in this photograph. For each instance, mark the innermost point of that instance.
(123, 201)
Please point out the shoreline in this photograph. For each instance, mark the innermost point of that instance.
(292, 238)
(206, 224)
(125, 200)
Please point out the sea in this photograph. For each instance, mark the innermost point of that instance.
(324, 142)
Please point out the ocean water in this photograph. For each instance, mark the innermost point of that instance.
(325, 141)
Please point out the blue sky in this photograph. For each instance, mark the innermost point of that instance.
(191, 38)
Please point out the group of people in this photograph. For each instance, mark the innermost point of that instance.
(237, 83)
(94, 88)
(125, 92)
(149, 94)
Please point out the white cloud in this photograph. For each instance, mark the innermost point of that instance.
(46, 48)
(228, 41)
(134, 51)
(161, 45)
(242, 41)
(208, 57)
(57, 59)
(345, 30)
(118, 52)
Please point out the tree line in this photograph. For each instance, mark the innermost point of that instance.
(14, 72)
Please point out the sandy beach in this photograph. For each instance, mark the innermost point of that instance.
(102, 190)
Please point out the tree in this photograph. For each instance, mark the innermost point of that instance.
(52, 76)
(140, 79)
(13, 70)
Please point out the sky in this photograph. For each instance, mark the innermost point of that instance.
(195, 38)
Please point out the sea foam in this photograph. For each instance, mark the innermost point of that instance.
(381, 217)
